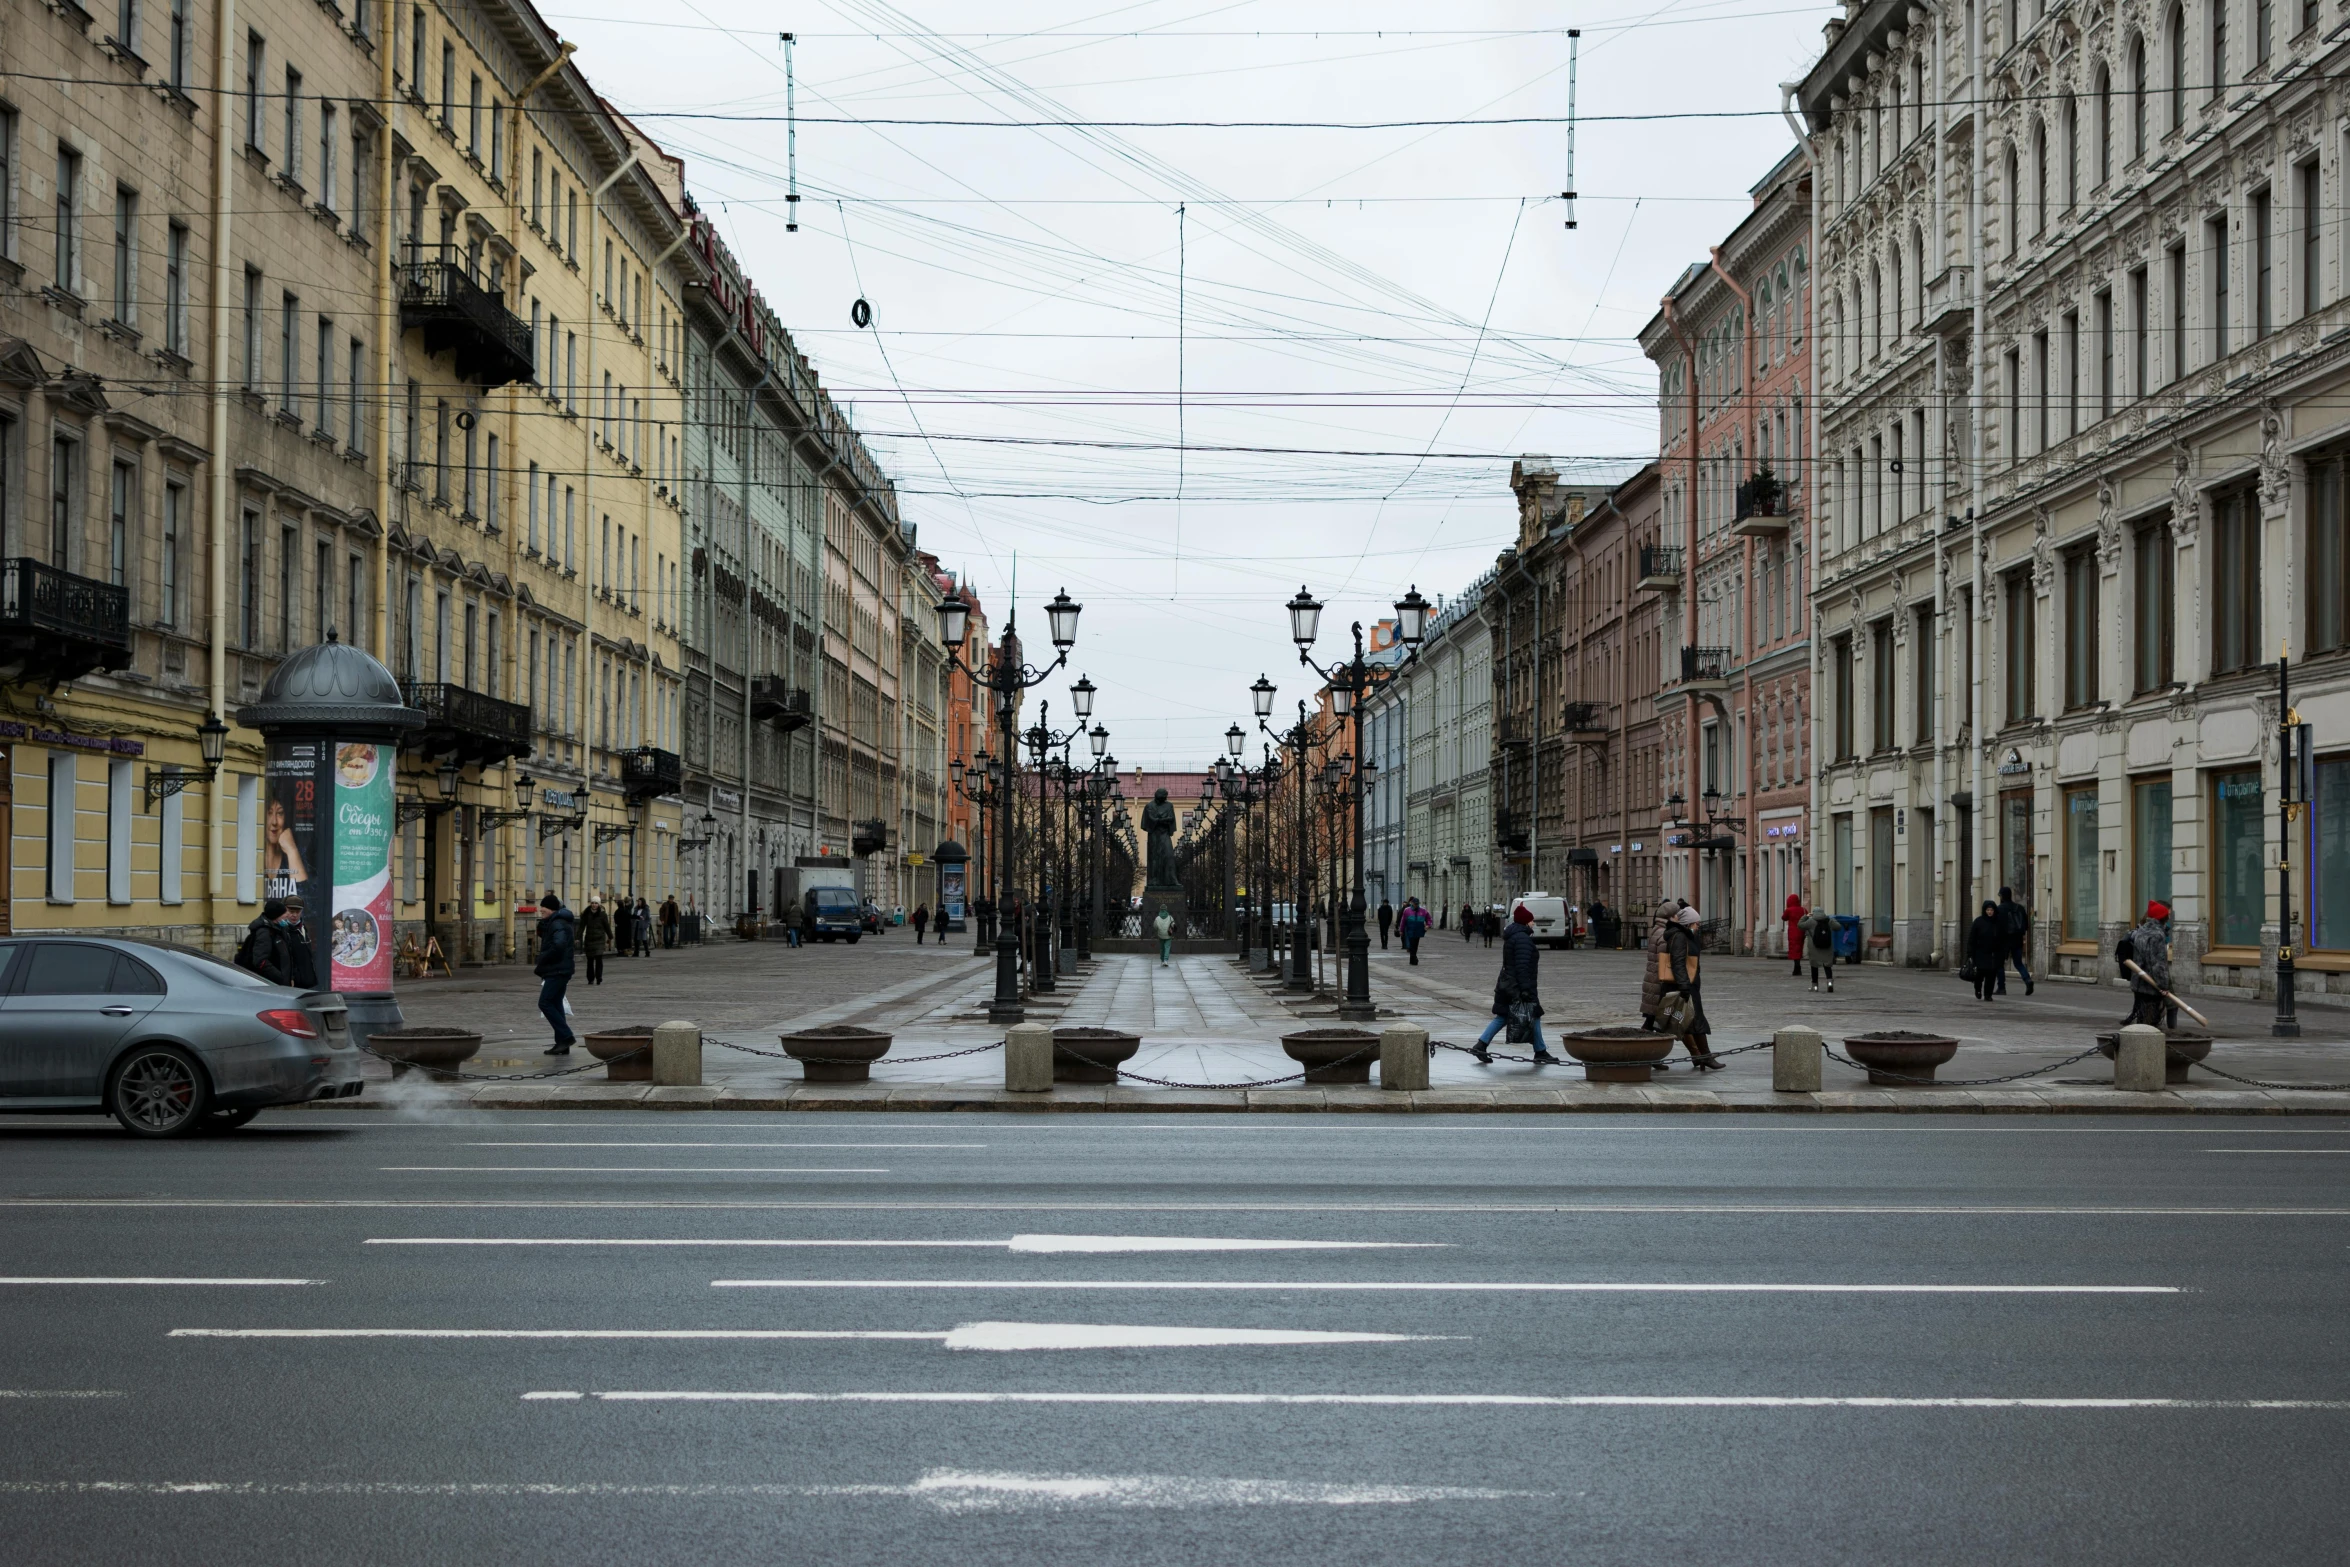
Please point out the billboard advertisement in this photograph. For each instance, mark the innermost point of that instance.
(360, 935)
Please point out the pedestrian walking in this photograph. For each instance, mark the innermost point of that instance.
(1413, 927)
(640, 927)
(1163, 927)
(263, 951)
(1470, 923)
(1678, 974)
(922, 924)
(1652, 985)
(301, 963)
(595, 937)
(1793, 916)
(2151, 941)
(1819, 945)
(794, 923)
(558, 942)
(1517, 987)
(1986, 950)
(1387, 918)
(669, 919)
(2018, 921)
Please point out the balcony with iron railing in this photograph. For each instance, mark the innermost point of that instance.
(648, 772)
(869, 837)
(55, 626)
(1762, 507)
(466, 724)
(1514, 730)
(1583, 718)
(775, 702)
(1660, 568)
(1705, 666)
(442, 300)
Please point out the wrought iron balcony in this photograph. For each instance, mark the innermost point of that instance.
(465, 724)
(1509, 833)
(1762, 507)
(1515, 731)
(649, 772)
(1660, 568)
(460, 317)
(787, 707)
(55, 626)
(869, 837)
(1705, 665)
(1583, 718)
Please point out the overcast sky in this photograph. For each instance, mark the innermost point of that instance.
(1410, 294)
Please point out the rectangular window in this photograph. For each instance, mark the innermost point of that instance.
(255, 96)
(2105, 356)
(2140, 347)
(322, 588)
(2235, 584)
(1881, 736)
(448, 86)
(2312, 235)
(171, 868)
(1842, 840)
(2022, 648)
(288, 628)
(416, 51)
(2150, 843)
(489, 486)
(354, 436)
(179, 56)
(1923, 655)
(322, 409)
(2040, 391)
(2080, 629)
(412, 630)
(2216, 259)
(535, 339)
(293, 142)
(7, 182)
(2240, 886)
(249, 580)
(61, 811)
(571, 225)
(2012, 384)
(2178, 312)
(355, 597)
(69, 218)
(440, 635)
(2263, 265)
(118, 831)
(126, 251)
(2154, 609)
(1840, 657)
(569, 558)
(531, 510)
(2081, 904)
(65, 499)
(175, 290)
(2328, 555)
(2328, 856)
(473, 119)
(121, 519)
(175, 518)
(252, 330)
(289, 354)
(326, 155)
(440, 451)
(538, 165)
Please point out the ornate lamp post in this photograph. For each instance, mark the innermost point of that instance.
(1299, 738)
(1350, 680)
(1053, 774)
(1007, 677)
(980, 784)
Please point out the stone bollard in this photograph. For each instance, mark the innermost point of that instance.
(2138, 1059)
(677, 1056)
(1403, 1057)
(1795, 1060)
(1028, 1058)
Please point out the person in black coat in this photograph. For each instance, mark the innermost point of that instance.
(263, 950)
(1987, 942)
(1519, 982)
(301, 962)
(1386, 922)
(558, 956)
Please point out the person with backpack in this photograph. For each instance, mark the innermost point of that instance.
(558, 941)
(1820, 943)
(1163, 927)
(263, 950)
(595, 937)
(1517, 989)
(1652, 985)
(2017, 921)
(301, 962)
(1412, 926)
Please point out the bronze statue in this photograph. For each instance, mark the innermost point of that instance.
(1158, 822)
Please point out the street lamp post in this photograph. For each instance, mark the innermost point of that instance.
(1054, 774)
(1007, 676)
(1350, 681)
(980, 783)
(1299, 738)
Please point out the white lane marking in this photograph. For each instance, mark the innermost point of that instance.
(1466, 1400)
(613, 1205)
(2278, 1150)
(947, 1490)
(1091, 1244)
(1083, 1335)
(556, 1333)
(720, 1145)
(634, 1169)
(58, 1392)
(229, 1283)
(1472, 1286)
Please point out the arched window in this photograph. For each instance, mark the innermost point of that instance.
(2137, 95)
(2039, 178)
(1876, 338)
(2072, 149)
(2178, 67)
(2015, 209)
(1898, 315)
(2104, 124)
(2219, 48)
(1917, 259)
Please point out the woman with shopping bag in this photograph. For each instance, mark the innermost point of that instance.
(1682, 1010)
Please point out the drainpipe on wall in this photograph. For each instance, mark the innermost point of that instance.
(222, 499)
(1983, 820)
(1746, 558)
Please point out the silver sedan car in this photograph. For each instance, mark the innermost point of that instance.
(168, 1039)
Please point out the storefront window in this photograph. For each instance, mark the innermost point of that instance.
(2150, 829)
(1844, 904)
(2238, 893)
(1881, 871)
(2080, 864)
(2329, 859)
(2015, 846)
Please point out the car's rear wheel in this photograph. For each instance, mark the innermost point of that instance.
(159, 1091)
(217, 1121)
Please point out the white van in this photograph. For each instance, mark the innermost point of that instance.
(1550, 917)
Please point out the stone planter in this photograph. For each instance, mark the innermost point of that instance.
(837, 1054)
(1617, 1055)
(1333, 1055)
(434, 1049)
(1899, 1050)
(2187, 1046)
(614, 1043)
(1111, 1047)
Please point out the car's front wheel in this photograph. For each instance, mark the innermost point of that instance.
(159, 1091)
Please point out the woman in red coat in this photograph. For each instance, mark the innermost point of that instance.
(1794, 918)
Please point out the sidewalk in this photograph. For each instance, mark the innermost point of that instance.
(1206, 1021)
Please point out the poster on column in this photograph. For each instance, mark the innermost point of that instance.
(950, 892)
(293, 840)
(360, 937)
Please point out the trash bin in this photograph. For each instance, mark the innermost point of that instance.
(1848, 938)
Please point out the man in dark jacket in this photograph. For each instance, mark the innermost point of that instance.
(2016, 921)
(669, 918)
(1386, 921)
(1986, 950)
(558, 942)
(1520, 966)
(301, 965)
(263, 950)
(2151, 944)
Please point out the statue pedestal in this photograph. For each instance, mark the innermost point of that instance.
(1173, 901)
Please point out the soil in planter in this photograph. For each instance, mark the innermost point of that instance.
(1333, 1055)
(1103, 1050)
(612, 1046)
(845, 1054)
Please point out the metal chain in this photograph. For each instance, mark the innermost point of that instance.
(2260, 1082)
(462, 1076)
(1957, 1082)
(1662, 1062)
(783, 1055)
(1166, 1082)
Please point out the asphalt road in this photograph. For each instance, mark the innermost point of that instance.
(1620, 1339)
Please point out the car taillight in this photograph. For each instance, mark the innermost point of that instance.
(290, 1020)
